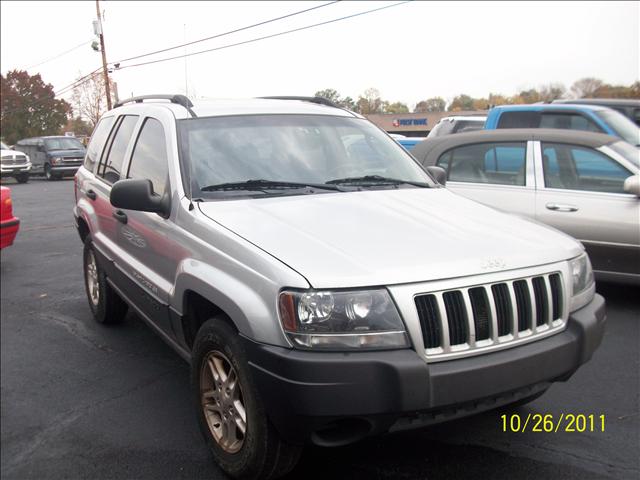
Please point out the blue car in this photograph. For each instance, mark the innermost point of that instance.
(409, 142)
(564, 116)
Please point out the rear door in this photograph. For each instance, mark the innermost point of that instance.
(497, 174)
(98, 187)
(580, 191)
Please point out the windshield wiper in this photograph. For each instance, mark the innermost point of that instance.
(261, 184)
(375, 180)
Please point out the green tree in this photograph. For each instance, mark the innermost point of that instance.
(461, 102)
(396, 107)
(28, 107)
(435, 104)
(334, 96)
(369, 102)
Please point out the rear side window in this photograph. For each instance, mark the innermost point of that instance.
(111, 164)
(519, 120)
(149, 159)
(567, 121)
(572, 167)
(494, 163)
(96, 144)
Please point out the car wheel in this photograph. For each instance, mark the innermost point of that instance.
(230, 413)
(22, 178)
(106, 305)
(48, 173)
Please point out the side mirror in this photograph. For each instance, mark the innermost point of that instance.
(138, 195)
(632, 185)
(438, 173)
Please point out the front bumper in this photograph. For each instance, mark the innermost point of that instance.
(338, 398)
(61, 169)
(10, 170)
(8, 231)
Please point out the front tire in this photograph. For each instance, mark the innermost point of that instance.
(106, 305)
(22, 178)
(230, 412)
(48, 173)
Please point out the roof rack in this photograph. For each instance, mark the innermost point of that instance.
(318, 100)
(177, 99)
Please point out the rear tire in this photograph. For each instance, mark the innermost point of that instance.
(106, 305)
(22, 178)
(226, 400)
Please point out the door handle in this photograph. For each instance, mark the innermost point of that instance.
(91, 194)
(120, 216)
(561, 207)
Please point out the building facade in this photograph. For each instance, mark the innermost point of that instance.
(414, 124)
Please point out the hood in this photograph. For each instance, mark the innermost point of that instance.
(387, 237)
(11, 153)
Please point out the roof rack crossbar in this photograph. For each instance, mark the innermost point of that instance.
(318, 100)
(177, 99)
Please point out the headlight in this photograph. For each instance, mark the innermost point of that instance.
(56, 160)
(583, 287)
(341, 320)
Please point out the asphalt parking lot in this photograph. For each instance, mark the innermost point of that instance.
(81, 400)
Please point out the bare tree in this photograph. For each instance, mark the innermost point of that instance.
(89, 98)
(370, 102)
(585, 87)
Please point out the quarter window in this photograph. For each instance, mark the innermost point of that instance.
(111, 166)
(573, 167)
(149, 160)
(495, 163)
(96, 144)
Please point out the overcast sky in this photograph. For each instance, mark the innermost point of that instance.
(409, 52)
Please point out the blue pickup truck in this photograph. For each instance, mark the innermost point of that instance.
(564, 116)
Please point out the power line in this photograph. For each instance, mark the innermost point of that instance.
(264, 37)
(227, 33)
(59, 55)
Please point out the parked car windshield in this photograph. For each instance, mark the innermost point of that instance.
(627, 151)
(624, 127)
(63, 143)
(309, 150)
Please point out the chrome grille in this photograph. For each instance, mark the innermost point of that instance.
(14, 159)
(477, 317)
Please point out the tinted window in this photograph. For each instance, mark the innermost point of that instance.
(63, 143)
(496, 163)
(519, 120)
(111, 166)
(568, 121)
(577, 168)
(149, 159)
(96, 144)
(620, 124)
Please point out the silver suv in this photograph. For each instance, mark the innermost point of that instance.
(323, 286)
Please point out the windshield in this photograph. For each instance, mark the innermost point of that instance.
(309, 150)
(63, 143)
(624, 128)
(628, 151)
(3, 146)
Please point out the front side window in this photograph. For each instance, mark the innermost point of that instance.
(573, 167)
(315, 150)
(111, 164)
(96, 144)
(495, 163)
(567, 121)
(149, 159)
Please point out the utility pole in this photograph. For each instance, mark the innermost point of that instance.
(104, 57)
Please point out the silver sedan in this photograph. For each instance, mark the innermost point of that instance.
(585, 184)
